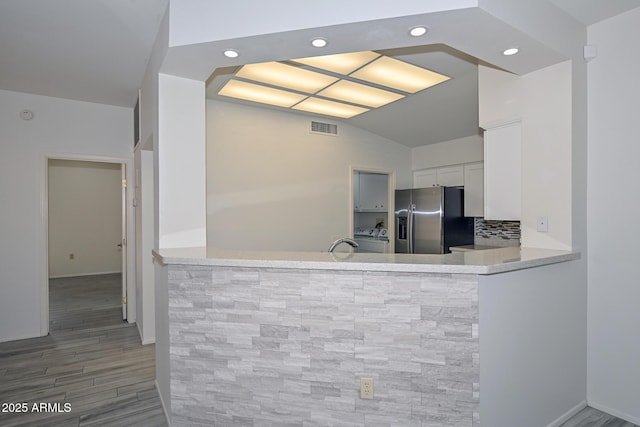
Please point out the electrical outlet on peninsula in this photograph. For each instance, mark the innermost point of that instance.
(366, 388)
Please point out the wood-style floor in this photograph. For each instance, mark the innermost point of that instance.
(95, 362)
(590, 417)
(91, 360)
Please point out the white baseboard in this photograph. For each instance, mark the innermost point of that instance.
(567, 415)
(66, 276)
(144, 341)
(615, 413)
(20, 337)
(148, 341)
(164, 407)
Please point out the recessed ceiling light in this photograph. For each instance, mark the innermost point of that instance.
(510, 52)
(418, 31)
(318, 42)
(230, 53)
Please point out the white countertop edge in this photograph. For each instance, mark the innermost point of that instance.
(490, 261)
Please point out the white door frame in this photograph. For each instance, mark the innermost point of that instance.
(44, 227)
(124, 239)
(391, 199)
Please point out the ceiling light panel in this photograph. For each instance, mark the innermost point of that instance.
(399, 75)
(263, 94)
(329, 108)
(343, 63)
(357, 93)
(286, 76)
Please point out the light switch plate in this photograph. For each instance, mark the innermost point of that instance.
(543, 224)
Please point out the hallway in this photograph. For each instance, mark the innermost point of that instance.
(92, 360)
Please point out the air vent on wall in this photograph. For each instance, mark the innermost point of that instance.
(324, 128)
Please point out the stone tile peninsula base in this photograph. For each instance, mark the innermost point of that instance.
(270, 345)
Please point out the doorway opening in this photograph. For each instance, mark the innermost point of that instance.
(371, 208)
(86, 245)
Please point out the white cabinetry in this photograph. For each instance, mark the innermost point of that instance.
(373, 192)
(474, 189)
(450, 176)
(503, 172)
(425, 178)
(447, 176)
(356, 191)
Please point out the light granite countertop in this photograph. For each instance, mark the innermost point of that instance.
(466, 248)
(490, 261)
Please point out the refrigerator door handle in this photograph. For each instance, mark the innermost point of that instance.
(410, 217)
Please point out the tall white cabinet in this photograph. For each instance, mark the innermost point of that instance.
(503, 172)
(474, 189)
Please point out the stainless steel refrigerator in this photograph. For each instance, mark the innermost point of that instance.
(431, 220)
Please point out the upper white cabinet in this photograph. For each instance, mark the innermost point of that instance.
(474, 189)
(450, 176)
(373, 192)
(447, 176)
(469, 175)
(503, 172)
(425, 178)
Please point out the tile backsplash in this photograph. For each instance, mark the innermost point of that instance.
(497, 233)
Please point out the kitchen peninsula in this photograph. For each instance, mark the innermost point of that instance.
(283, 338)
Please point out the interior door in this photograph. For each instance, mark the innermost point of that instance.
(123, 241)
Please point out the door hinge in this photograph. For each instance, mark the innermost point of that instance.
(124, 300)
(124, 183)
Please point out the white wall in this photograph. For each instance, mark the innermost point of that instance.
(154, 317)
(59, 127)
(201, 21)
(163, 362)
(147, 188)
(181, 162)
(85, 218)
(533, 341)
(542, 100)
(454, 152)
(614, 291)
(546, 148)
(272, 185)
(144, 237)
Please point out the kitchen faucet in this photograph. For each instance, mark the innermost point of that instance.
(346, 240)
